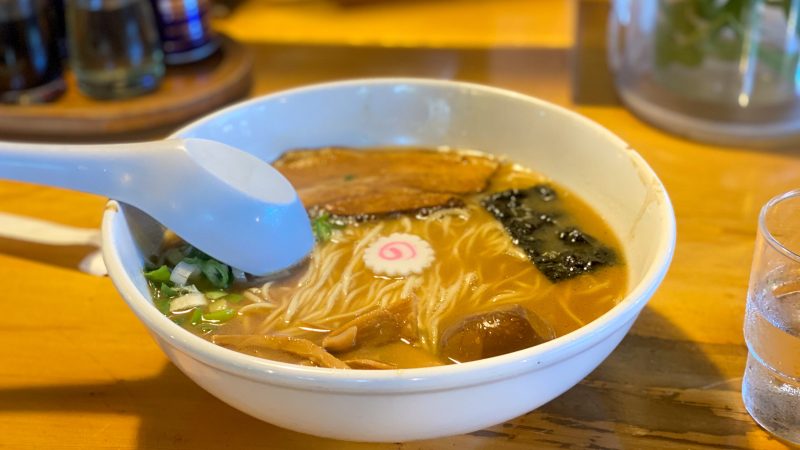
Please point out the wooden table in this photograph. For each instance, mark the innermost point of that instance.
(77, 371)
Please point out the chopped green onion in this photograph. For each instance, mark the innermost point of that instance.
(162, 305)
(234, 298)
(217, 273)
(213, 295)
(183, 271)
(219, 316)
(197, 316)
(160, 275)
(165, 291)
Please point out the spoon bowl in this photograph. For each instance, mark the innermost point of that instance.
(227, 203)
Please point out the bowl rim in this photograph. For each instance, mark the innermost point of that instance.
(404, 380)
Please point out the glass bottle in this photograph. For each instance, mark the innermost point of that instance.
(114, 47)
(30, 59)
(722, 71)
(185, 29)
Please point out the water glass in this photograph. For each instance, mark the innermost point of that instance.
(771, 385)
(30, 58)
(114, 47)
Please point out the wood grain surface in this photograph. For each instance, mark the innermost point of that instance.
(405, 23)
(77, 371)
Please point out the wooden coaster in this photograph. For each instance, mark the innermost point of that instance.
(186, 92)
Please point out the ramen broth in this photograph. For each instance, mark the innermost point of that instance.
(479, 286)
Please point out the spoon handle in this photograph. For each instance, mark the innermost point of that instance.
(37, 231)
(108, 170)
(43, 232)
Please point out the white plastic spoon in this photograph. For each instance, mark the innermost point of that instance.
(27, 229)
(226, 202)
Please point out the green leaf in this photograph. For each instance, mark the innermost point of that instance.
(706, 8)
(690, 30)
(689, 55)
(159, 275)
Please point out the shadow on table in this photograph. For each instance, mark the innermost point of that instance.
(64, 256)
(653, 393)
(624, 403)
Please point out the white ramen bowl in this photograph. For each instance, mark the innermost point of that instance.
(400, 405)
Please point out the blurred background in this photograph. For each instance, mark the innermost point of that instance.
(112, 69)
(717, 71)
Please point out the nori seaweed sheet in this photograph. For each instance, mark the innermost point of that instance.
(538, 224)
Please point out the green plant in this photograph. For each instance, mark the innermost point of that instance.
(688, 31)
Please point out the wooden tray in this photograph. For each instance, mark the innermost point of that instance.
(185, 93)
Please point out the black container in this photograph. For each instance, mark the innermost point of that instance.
(30, 55)
(185, 29)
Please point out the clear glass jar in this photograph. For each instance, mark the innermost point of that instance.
(721, 71)
(114, 47)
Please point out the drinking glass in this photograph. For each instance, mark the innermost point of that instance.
(771, 385)
(114, 47)
(30, 58)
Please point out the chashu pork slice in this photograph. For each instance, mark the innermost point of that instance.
(350, 182)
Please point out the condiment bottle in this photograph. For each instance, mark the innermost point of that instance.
(114, 47)
(30, 60)
(185, 29)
